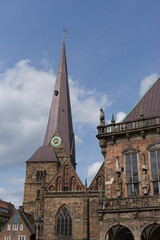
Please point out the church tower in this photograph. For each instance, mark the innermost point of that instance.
(59, 144)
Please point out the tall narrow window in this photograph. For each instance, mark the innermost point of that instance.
(38, 193)
(64, 223)
(37, 176)
(155, 169)
(132, 174)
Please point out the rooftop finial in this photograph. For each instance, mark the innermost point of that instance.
(64, 31)
(112, 121)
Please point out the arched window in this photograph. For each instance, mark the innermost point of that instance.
(41, 177)
(38, 193)
(79, 188)
(59, 184)
(51, 188)
(132, 179)
(44, 175)
(64, 223)
(37, 176)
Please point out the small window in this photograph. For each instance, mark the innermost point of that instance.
(15, 221)
(38, 193)
(37, 176)
(44, 174)
(21, 238)
(7, 238)
(21, 227)
(132, 179)
(15, 227)
(9, 227)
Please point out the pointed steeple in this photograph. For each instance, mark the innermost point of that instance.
(60, 118)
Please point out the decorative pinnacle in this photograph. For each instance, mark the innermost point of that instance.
(112, 121)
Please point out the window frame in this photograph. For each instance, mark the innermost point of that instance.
(155, 150)
(131, 153)
(21, 227)
(61, 220)
(22, 236)
(15, 227)
(7, 238)
(8, 227)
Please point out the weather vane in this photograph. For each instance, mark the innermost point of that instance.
(64, 31)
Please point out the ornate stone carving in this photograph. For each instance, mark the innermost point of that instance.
(102, 117)
(130, 149)
(145, 177)
(102, 144)
(153, 146)
(132, 202)
(117, 180)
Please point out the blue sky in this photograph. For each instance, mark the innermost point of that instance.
(113, 56)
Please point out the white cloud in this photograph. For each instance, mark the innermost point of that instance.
(86, 104)
(120, 116)
(78, 140)
(25, 97)
(147, 82)
(93, 169)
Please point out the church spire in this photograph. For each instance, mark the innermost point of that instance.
(60, 118)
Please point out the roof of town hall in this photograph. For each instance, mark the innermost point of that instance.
(148, 105)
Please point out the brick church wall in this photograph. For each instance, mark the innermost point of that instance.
(82, 205)
(32, 185)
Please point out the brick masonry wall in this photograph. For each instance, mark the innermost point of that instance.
(15, 234)
(115, 149)
(82, 205)
(93, 218)
(32, 185)
(53, 204)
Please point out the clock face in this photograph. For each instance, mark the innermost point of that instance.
(55, 141)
